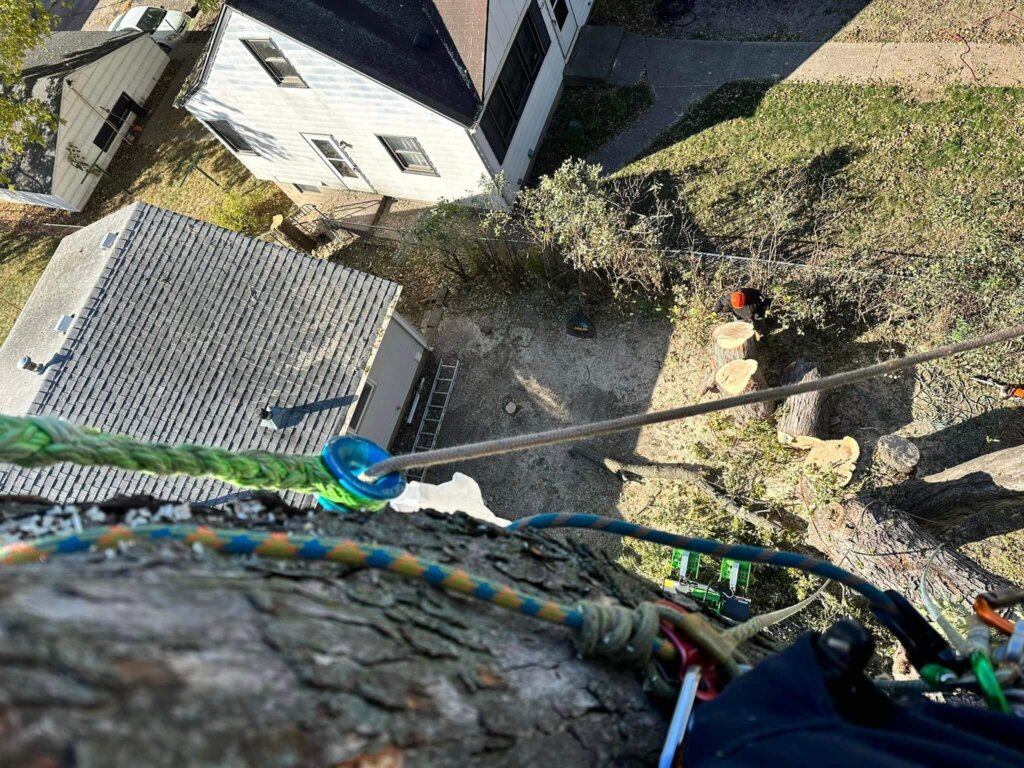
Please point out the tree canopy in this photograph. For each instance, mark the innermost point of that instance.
(24, 24)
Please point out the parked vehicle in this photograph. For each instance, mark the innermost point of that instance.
(166, 27)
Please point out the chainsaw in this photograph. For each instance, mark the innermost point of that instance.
(1007, 390)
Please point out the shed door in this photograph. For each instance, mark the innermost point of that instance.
(332, 152)
(563, 18)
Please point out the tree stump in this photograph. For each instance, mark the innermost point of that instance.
(733, 341)
(739, 377)
(806, 415)
(898, 453)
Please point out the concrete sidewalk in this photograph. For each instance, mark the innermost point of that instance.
(682, 72)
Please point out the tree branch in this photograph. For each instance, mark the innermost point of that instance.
(679, 473)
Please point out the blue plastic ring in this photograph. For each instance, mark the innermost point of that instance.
(348, 457)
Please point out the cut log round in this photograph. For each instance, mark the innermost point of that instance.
(806, 415)
(888, 548)
(733, 341)
(897, 453)
(834, 457)
(742, 376)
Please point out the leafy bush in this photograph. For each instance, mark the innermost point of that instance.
(249, 212)
(594, 226)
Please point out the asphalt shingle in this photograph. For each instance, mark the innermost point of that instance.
(189, 332)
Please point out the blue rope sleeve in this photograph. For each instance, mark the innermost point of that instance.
(780, 559)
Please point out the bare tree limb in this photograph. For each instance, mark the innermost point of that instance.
(679, 473)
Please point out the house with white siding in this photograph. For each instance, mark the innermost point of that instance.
(418, 100)
(95, 84)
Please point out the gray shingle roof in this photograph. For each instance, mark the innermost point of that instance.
(376, 37)
(190, 330)
(43, 71)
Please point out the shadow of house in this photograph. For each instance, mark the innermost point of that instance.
(683, 72)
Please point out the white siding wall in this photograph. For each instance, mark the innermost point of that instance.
(33, 198)
(133, 69)
(503, 17)
(393, 373)
(339, 101)
(504, 20)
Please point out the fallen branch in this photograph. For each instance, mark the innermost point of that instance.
(679, 473)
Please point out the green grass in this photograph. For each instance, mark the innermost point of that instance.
(869, 168)
(587, 118)
(155, 173)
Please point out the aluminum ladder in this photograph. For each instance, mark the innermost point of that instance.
(433, 414)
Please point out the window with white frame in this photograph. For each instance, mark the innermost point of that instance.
(408, 154)
(561, 11)
(274, 62)
(330, 152)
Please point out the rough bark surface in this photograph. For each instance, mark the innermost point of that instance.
(887, 547)
(163, 655)
(988, 483)
(727, 353)
(805, 414)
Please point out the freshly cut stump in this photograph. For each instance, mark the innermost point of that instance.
(806, 415)
(742, 376)
(733, 341)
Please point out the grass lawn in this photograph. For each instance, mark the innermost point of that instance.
(587, 118)
(982, 21)
(154, 171)
(937, 183)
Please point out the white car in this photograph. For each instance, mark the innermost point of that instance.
(166, 27)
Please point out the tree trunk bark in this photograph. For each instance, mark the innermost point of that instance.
(733, 341)
(807, 414)
(988, 483)
(166, 655)
(885, 546)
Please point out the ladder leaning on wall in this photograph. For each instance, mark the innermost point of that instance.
(434, 412)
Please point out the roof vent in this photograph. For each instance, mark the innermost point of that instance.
(270, 417)
(423, 41)
(108, 240)
(64, 323)
(26, 364)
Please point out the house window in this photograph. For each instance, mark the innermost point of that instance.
(360, 409)
(561, 9)
(408, 154)
(115, 121)
(515, 81)
(230, 136)
(330, 152)
(273, 61)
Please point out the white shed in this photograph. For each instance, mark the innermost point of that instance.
(96, 83)
(414, 100)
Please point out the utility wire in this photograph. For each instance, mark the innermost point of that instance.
(596, 429)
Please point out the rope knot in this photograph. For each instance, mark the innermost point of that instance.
(619, 634)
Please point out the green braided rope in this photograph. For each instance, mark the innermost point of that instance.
(38, 441)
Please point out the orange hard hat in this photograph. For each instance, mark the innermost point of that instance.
(738, 300)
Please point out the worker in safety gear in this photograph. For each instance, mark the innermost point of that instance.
(747, 304)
